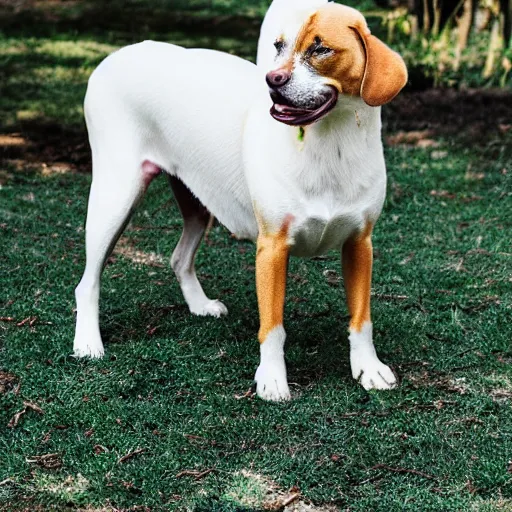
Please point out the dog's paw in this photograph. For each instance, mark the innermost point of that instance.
(88, 348)
(374, 375)
(271, 382)
(366, 367)
(211, 308)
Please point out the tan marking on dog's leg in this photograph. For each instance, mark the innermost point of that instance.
(357, 257)
(271, 266)
(366, 367)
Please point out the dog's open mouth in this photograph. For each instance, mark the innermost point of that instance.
(286, 113)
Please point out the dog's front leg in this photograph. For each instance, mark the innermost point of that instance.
(271, 266)
(357, 257)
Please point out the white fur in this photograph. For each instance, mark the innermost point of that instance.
(271, 373)
(366, 366)
(283, 18)
(182, 262)
(332, 184)
(306, 88)
(203, 116)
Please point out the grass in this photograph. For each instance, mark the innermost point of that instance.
(175, 386)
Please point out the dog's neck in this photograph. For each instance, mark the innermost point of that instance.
(344, 148)
(351, 115)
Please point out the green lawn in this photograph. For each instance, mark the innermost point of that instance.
(174, 386)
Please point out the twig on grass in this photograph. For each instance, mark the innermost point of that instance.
(400, 407)
(458, 354)
(347, 415)
(48, 461)
(404, 470)
(413, 363)
(195, 438)
(129, 455)
(27, 405)
(288, 501)
(34, 407)
(31, 320)
(150, 228)
(250, 393)
(387, 296)
(196, 474)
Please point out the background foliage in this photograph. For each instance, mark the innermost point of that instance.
(465, 43)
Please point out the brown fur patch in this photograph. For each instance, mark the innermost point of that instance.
(360, 64)
(271, 268)
(357, 257)
(333, 24)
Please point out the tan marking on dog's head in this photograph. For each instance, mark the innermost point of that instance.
(358, 64)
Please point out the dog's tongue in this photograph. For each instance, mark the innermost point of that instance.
(294, 116)
(288, 110)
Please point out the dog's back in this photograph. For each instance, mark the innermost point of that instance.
(183, 110)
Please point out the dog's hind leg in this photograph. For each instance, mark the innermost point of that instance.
(117, 186)
(195, 221)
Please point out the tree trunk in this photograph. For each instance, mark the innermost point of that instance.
(465, 23)
(495, 45)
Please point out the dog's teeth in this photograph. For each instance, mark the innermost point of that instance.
(280, 108)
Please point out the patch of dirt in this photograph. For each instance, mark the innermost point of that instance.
(91, 509)
(482, 505)
(12, 139)
(7, 382)
(260, 491)
(47, 147)
(418, 138)
(124, 247)
(425, 379)
(474, 115)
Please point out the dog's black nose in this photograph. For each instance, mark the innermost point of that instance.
(278, 78)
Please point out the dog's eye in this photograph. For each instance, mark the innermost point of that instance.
(322, 50)
(279, 44)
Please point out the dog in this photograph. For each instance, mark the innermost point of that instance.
(300, 171)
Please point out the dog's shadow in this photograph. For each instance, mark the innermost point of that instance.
(317, 348)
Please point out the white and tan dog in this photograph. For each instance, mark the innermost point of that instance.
(306, 178)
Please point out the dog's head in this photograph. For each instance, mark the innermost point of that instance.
(332, 54)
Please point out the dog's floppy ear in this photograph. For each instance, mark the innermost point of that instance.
(385, 73)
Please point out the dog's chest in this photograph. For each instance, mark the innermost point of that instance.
(331, 178)
(333, 198)
(322, 223)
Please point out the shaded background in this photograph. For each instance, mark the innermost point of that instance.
(49, 47)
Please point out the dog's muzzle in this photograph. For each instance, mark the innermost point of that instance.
(284, 112)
